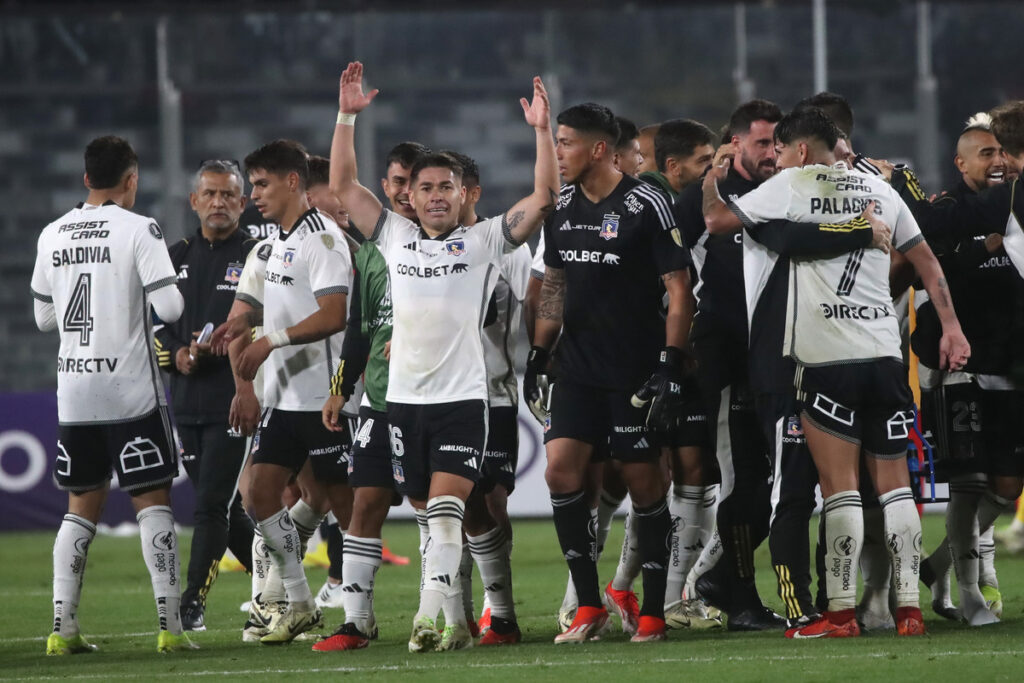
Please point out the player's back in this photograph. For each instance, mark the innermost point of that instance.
(98, 263)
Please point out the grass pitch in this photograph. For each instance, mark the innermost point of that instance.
(118, 615)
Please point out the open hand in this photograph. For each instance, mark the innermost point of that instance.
(537, 112)
(351, 99)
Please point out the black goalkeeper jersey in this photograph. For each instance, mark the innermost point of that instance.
(613, 254)
(721, 309)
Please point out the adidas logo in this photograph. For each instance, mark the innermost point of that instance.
(507, 467)
(470, 463)
(411, 246)
(442, 578)
(352, 588)
(494, 587)
(572, 555)
(642, 443)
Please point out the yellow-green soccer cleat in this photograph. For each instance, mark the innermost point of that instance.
(425, 637)
(455, 637)
(168, 642)
(57, 644)
(993, 599)
(293, 623)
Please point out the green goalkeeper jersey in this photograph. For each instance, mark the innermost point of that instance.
(376, 324)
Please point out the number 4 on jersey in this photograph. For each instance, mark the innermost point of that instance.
(77, 317)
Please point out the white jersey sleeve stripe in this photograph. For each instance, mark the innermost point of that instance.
(659, 204)
(337, 289)
(159, 284)
(42, 297)
(911, 243)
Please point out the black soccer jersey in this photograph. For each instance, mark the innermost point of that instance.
(613, 254)
(719, 262)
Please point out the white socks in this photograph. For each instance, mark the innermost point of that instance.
(160, 551)
(844, 536)
(282, 539)
(707, 559)
(70, 551)
(686, 505)
(875, 567)
(260, 564)
(441, 560)
(606, 506)
(421, 522)
(490, 552)
(903, 536)
(307, 521)
(629, 559)
(360, 562)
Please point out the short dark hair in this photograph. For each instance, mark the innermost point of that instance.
(680, 137)
(107, 159)
(1008, 126)
(754, 110)
(627, 132)
(281, 157)
(836, 107)
(436, 160)
(470, 170)
(405, 154)
(319, 170)
(807, 122)
(592, 118)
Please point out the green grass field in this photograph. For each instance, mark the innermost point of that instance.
(117, 613)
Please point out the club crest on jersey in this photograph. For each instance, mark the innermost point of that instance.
(154, 230)
(234, 273)
(289, 258)
(793, 427)
(455, 247)
(609, 226)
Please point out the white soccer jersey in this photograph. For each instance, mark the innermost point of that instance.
(309, 261)
(500, 337)
(537, 267)
(250, 282)
(439, 290)
(839, 309)
(97, 264)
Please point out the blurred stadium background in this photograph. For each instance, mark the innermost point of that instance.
(187, 81)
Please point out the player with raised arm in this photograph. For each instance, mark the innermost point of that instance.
(842, 333)
(442, 275)
(98, 270)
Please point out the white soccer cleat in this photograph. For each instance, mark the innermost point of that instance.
(425, 637)
(293, 623)
(329, 595)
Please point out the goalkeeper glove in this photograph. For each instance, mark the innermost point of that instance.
(663, 391)
(537, 384)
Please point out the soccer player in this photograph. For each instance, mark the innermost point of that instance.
(609, 239)
(442, 276)
(720, 337)
(970, 411)
(308, 276)
(683, 150)
(98, 270)
(628, 158)
(646, 140)
(209, 265)
(843, 335)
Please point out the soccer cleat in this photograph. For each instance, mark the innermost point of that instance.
(993, 599)
(347, 637)
(842, 624)
(801, 621)
(192, 617)
(294, 622)
(425, 637)
(624, 604)
(694, 614)
(1012, 537)
(909, 622)
(388, 557)
(329, 595)
(56, 644)
(649, 630)
(755, 619)
(168, 642)
(261, 616)
(484, 622)
(565, 619)
(587, 625)
(228, 563)
(317, 558)
(502, 632)
(713, 593)
(455, 637)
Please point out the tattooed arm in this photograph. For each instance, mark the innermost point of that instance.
(681, 306)
(548, 324)
(524, 219)
(953, 347)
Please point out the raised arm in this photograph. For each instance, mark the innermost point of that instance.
(718, 219)
(363, 206)
(526, 217)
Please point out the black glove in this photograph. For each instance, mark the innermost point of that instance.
(537, 384)
(664, 392)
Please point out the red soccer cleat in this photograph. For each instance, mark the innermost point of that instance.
(649, 630)
(587, 625)
(840, 624)
(348, 637)
(909, 621)
(501, 632)
(388, 557)
(485, 620)
(625, 605)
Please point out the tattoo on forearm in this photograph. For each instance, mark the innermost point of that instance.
(552, 295)
(552, 200)
(712, 202)
(514, 219)
(943, 298)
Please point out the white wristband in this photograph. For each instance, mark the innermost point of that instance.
(278, 338)
(346, 119)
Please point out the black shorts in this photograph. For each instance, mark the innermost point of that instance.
(600, 417)
(288, 437)
(444, 437)
(502, 453)
(973, 429)
(371, 453)
(693, 429)
(139, 451)
(867, 403)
